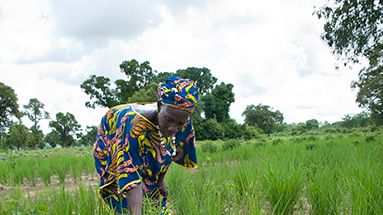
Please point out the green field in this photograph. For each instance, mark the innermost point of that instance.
(312, 174)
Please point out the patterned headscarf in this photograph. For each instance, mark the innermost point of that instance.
(178, 93)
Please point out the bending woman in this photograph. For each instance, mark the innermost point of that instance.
(136, 144)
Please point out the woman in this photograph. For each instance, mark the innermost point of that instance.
(136, 144)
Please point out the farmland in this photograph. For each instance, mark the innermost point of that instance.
(306, 174)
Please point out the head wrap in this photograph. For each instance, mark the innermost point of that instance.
(178, 93)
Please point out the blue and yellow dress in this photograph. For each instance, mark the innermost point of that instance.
(129, 151)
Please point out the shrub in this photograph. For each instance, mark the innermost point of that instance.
(309, 146)
(209, 147)
(312, 138)
(231, 144)
(250, 132)
(276, 141)
(209, 129)
(260, 143)
(370, 138)
(356, 142)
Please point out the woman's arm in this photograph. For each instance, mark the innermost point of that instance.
(135, 200)
(161, 186)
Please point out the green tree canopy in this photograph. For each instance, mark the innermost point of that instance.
(362, 119)
(139, 75)
(311, 124)
(66, 126)
(370, 92)
(354, 30)
(102, 94)
(53, 138)
(262, 117)
(148, 94)
(9, 108)
(18, 136)
(209, 129)
(217, 103)
(138, 86)
(34, 110)
(89, 137)
(202, 77)
(98, 88)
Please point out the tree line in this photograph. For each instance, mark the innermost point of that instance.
(211, 119)
(65, 130)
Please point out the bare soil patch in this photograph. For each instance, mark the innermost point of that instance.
(28, 189)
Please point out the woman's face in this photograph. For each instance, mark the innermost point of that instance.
(171, 120)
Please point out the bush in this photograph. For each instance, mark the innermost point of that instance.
(232, 129)
(209, 147)
(231, 144)
(370, 138)
(250, 132)
(312, 138)
(309, 146)
(276, 141)
(356, 142)
(260, 143)
(209, 129)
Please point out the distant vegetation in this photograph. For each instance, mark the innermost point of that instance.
(211, 119)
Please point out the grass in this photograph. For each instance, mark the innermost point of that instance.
(334, 174)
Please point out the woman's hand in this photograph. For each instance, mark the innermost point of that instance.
(162, 188)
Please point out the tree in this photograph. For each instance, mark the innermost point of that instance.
(66, 126)
(362, 119)
(89, 137)
(209, 129)
(311, 124)
(370, 92)
(9, 107)
(354, 31)
(232, 129)
(34, 110)
(148, 94)
(37, 139)
(102, 94)
(139, 75)
(217, 103)
(53, 138)
(263, 117)
(18, 136)
(202, 77)
(98, 88)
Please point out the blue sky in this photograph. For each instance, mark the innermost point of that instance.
(270, 51)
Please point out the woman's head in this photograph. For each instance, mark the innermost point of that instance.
(177, 99)
(171, 120)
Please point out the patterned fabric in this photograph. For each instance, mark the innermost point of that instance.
(128, 152)
(179, 93)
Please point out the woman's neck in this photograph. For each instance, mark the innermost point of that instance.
(149, 112)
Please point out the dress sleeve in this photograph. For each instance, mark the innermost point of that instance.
(185, 144)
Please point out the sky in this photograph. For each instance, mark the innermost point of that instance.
(271, 51)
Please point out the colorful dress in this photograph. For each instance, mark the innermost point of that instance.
(129, 152)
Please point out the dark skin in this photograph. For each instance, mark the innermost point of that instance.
(170, 120)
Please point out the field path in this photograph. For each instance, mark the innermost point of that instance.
(28, 189)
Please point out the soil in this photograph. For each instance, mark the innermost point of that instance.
(28, 189)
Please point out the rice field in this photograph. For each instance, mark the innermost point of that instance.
(315, 174)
